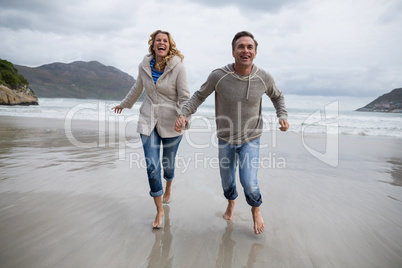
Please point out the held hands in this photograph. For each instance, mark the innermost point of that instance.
(284, 124)
(181, 123)
(117, 109)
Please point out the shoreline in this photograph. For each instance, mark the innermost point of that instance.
(89, 124)
(313, 115)
(63, 205)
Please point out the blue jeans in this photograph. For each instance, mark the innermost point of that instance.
(152, 146)
(246, 156)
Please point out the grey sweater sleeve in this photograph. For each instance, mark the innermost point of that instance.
(200, 95)
(277, 98)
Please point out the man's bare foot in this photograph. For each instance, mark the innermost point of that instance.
(158, 219)
(229, 210)
(167, 193)
(259, 225)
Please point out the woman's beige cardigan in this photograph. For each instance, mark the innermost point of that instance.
(163, 100)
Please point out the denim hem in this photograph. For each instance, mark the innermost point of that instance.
(156, 194)
(254, 204)
(168, 178)
(232, 197)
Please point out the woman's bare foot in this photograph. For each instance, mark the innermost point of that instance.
(159, 212)
(158, 219)
(229, 210)
(167, 193)
(259, 225)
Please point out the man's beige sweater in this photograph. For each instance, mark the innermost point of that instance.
(238, 102)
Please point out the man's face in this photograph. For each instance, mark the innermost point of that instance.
(244, 52)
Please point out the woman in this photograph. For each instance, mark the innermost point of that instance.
(163, 76)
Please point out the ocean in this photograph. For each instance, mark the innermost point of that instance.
(307, 114)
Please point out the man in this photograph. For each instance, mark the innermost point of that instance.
(239, 88)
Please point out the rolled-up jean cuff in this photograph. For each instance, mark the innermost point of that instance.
(168, 179)
(255, 204)
(232, 197)
(156, 194)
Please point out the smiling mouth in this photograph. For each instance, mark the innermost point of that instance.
(161, 48)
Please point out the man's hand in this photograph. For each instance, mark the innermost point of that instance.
(181, 123)
(284, 124)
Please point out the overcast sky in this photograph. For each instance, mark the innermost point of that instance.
(311, 47)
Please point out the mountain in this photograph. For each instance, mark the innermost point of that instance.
(14, 88)
(390, 102)
(83, 80)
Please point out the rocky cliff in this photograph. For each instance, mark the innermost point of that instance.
(390, 102)
(14, 88)
(87, 80)
(22, 96)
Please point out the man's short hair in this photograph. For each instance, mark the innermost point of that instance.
(241, 34)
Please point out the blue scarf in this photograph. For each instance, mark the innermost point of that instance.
(155, 73)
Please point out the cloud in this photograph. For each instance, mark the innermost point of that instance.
(392, 12)
(65, 17)
(310, 47)
(264, 6)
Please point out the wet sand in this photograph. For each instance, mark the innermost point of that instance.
(67, 206)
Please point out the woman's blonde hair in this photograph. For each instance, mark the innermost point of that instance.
(173, 51)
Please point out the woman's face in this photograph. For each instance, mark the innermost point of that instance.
(161, 45)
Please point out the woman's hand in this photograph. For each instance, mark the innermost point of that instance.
(117, 109)
(181, 123)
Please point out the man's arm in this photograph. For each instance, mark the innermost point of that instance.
(281, 113)
(278, 100)
(191, 106)
(200, 95)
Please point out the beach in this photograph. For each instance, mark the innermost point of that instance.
(82, 199)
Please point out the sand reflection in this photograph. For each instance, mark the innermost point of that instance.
(226, 250)
(160, 253)
(396, 171)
